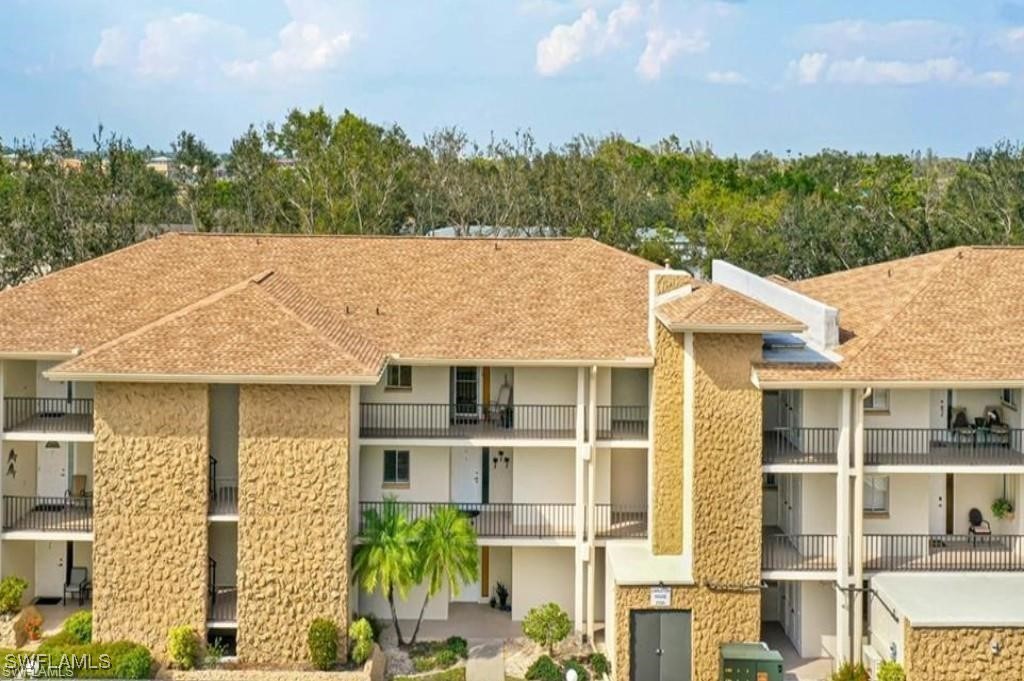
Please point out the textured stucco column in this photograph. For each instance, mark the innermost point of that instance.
(667, 460)
(150, 468)
(725, 601)
(963, 654)
(292, 518)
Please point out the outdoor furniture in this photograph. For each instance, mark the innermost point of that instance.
(78, 585)
(999, 432)
(960, 427)
(979, 527)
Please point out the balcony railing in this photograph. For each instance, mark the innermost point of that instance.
(622, 423)
(47, 415)
(800, 446)
(943, 553)
(223, 600)
(942, 446)
(504, 520)
(51, 514)
(523, 421)
(223, 496)
(621, 522)
(798, 552)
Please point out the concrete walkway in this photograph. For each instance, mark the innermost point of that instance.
(486, 660)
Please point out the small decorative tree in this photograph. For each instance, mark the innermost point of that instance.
(183, 646)
(11, 590)
(547, 625)
(891, 671)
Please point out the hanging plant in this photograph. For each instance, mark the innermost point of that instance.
(1002, 508)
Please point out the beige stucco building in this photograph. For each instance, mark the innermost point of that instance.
(197, 424)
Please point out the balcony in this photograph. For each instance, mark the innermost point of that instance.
(800, 446)
(520, 421)
(50, 415)
(620, 522)
(943, 447)
(223, 496)
(622, 423)
(47, 514)
(797, 552)
(943, 553)
(223, 600)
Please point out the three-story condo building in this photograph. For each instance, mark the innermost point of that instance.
(195, 425)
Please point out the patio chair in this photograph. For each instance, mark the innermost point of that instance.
(999, 432)
(979, 527)
(78, 585)
(960, 427)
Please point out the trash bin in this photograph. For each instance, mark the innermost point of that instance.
(750, 662)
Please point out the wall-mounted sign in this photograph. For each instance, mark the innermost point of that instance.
(661, 596)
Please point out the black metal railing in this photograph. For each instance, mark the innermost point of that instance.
(943, 552)
(53, 514)
(615, 521)
(47, 415)
(944, 446)
(211, 580)
(467, 420)
(800, 445)
(622, 423)
(799, 552)
(223, 496)
(494, 520)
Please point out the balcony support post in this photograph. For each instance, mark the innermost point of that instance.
(843, 529)
(579, 510)
(858, 525)
(591, 501)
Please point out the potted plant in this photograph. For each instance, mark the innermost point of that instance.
(1002, 508)
(502, 591)
(33, 626)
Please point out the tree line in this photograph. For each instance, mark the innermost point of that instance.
(671, 202)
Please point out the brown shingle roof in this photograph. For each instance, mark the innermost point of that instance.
(713, 308)
(419, 298)
(262, 327)
(949, 316)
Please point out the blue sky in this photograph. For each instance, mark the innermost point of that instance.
(783, 75)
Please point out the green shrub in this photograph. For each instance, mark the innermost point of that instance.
(581, 671)
(361, 635)
(544, 669)
(423, 664)
(323, 643)
(453, 674)
(891, 671)
(599, 664)
(547, 625)
(183, 646)
(214, 653)
(134, 664)
(11, 590)
(457, 645)
(375, 624)
(79, 625)
(850, 672)
(445, 658)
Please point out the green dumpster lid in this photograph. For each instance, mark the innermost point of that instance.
(750, 651)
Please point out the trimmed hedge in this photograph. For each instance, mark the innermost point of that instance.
(123, 659)
(323, 643)
(79, 625)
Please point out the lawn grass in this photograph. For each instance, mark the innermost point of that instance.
(453, 674)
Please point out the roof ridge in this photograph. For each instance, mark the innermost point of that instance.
(395, 237)
(273, 279)
(866, 345)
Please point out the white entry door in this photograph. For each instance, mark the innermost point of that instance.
(937, 504)
(50, 572)
(467, 481)
(470, 592)
(52, 469)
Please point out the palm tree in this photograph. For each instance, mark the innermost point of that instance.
(447, 550)
(387, 557)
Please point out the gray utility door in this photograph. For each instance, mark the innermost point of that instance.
(660, 645)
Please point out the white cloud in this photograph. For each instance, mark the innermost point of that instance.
(567, 43)
(809, 67)
(184, 44)
(906, 39)
(302, 47)
(726, 77)
(1012, 39)
(819, 67)
(621, 19)
(663, 47)
(114, 48)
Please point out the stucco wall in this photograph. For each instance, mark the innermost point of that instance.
(19, 378)
(430, 385)
(817, 619)
(428, 474)
(541, 575)
(150, 507)
(545, 385)
(963, 654)
(544, 475)
(293, 518)
(666, 524)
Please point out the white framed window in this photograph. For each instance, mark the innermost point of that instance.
(398, 377)
(876, 493)
(878, 400)
(396, 467)
(1008, 396)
